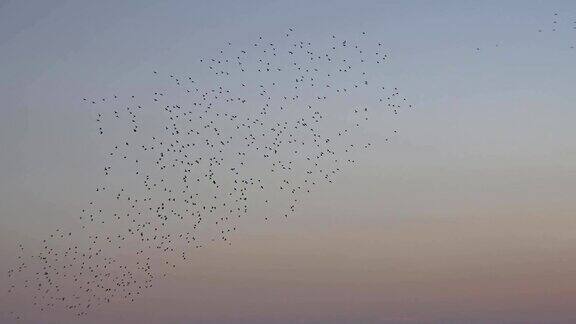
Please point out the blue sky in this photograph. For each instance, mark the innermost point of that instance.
(488, 152)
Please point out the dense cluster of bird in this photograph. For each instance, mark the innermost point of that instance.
(250, 135)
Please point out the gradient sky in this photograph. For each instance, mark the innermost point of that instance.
(467, 217)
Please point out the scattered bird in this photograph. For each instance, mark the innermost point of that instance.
(556, 24)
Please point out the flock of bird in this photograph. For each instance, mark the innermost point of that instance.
(249, 136)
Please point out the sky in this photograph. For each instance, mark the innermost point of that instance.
(466, 217)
